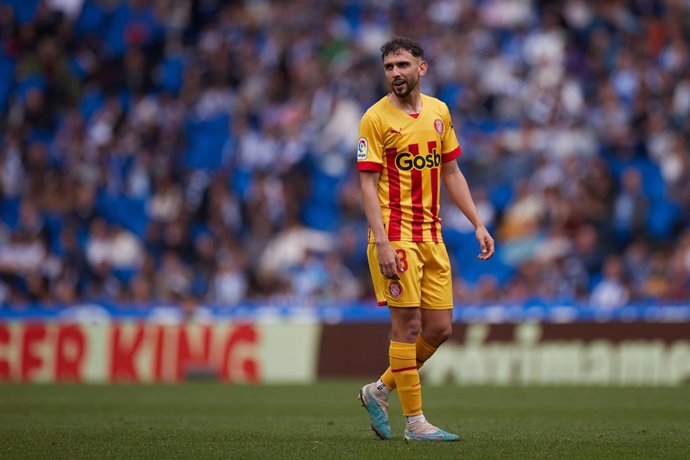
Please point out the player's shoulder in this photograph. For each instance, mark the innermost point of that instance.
(434, 103)
(378, 109)
(377, 115)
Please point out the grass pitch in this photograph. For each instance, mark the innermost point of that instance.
(325, 421)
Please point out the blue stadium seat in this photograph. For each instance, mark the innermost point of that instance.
(463, 248)
(131, 26)
(501, 195)
(171, 74)
(652, 180)
(91, 20)
(7, 66)
(9, 211)
(320, 217)
(662, 218)
(29, 83)
(125, 211)
(91, 102)
(205, 142)
(449, 93)
(24, 10)
(241, 182)
(124, 275)
(54, 223)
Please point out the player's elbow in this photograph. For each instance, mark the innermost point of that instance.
(449, 169)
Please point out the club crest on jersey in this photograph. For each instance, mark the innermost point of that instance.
(362, 148)
(438, 124)
(395, 289)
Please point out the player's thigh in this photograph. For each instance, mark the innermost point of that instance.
(437, 279)
(405, 291)
(377, 278)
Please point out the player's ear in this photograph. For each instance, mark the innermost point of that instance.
(423, 67)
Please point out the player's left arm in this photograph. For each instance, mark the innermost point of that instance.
(457, 187)
(459, 191)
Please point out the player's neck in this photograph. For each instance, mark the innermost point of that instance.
(410, 104)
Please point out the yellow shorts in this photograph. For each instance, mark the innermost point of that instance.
(426, 281)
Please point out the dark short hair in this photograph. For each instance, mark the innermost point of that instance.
(402, 43)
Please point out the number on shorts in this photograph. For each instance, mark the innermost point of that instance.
(402, 255)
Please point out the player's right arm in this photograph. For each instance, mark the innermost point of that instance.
(389, 263)
(370, 165)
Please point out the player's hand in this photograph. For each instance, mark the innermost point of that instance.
(389, 262)
(486, 243)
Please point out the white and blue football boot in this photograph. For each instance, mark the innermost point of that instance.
(376, 403)
(425, 431)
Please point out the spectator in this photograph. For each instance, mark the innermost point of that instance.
(612, 291)
(230, 283)
(631, 206)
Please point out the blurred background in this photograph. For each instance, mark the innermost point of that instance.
(202, 151)
(200, 154)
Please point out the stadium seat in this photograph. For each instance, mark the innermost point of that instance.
(205, 142)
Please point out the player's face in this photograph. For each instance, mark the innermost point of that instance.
(403, 72)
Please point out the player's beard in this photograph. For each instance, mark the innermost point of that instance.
(405, 90)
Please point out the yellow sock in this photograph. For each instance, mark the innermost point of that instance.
(424, 352)
(404, 369)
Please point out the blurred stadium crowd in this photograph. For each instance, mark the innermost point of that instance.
(177, 150)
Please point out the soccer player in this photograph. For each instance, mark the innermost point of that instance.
(406, 145)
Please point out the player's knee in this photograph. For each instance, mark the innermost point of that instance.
(407, 331)
(445, 333)
(438, 334)
(412, 329)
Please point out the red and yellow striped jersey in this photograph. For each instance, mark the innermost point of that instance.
(408, 152)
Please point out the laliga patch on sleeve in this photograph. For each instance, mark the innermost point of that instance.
(362, 148)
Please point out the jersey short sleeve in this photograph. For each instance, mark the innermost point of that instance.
(370, 145)
(451, 146)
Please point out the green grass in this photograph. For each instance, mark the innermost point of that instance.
(325, 421)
